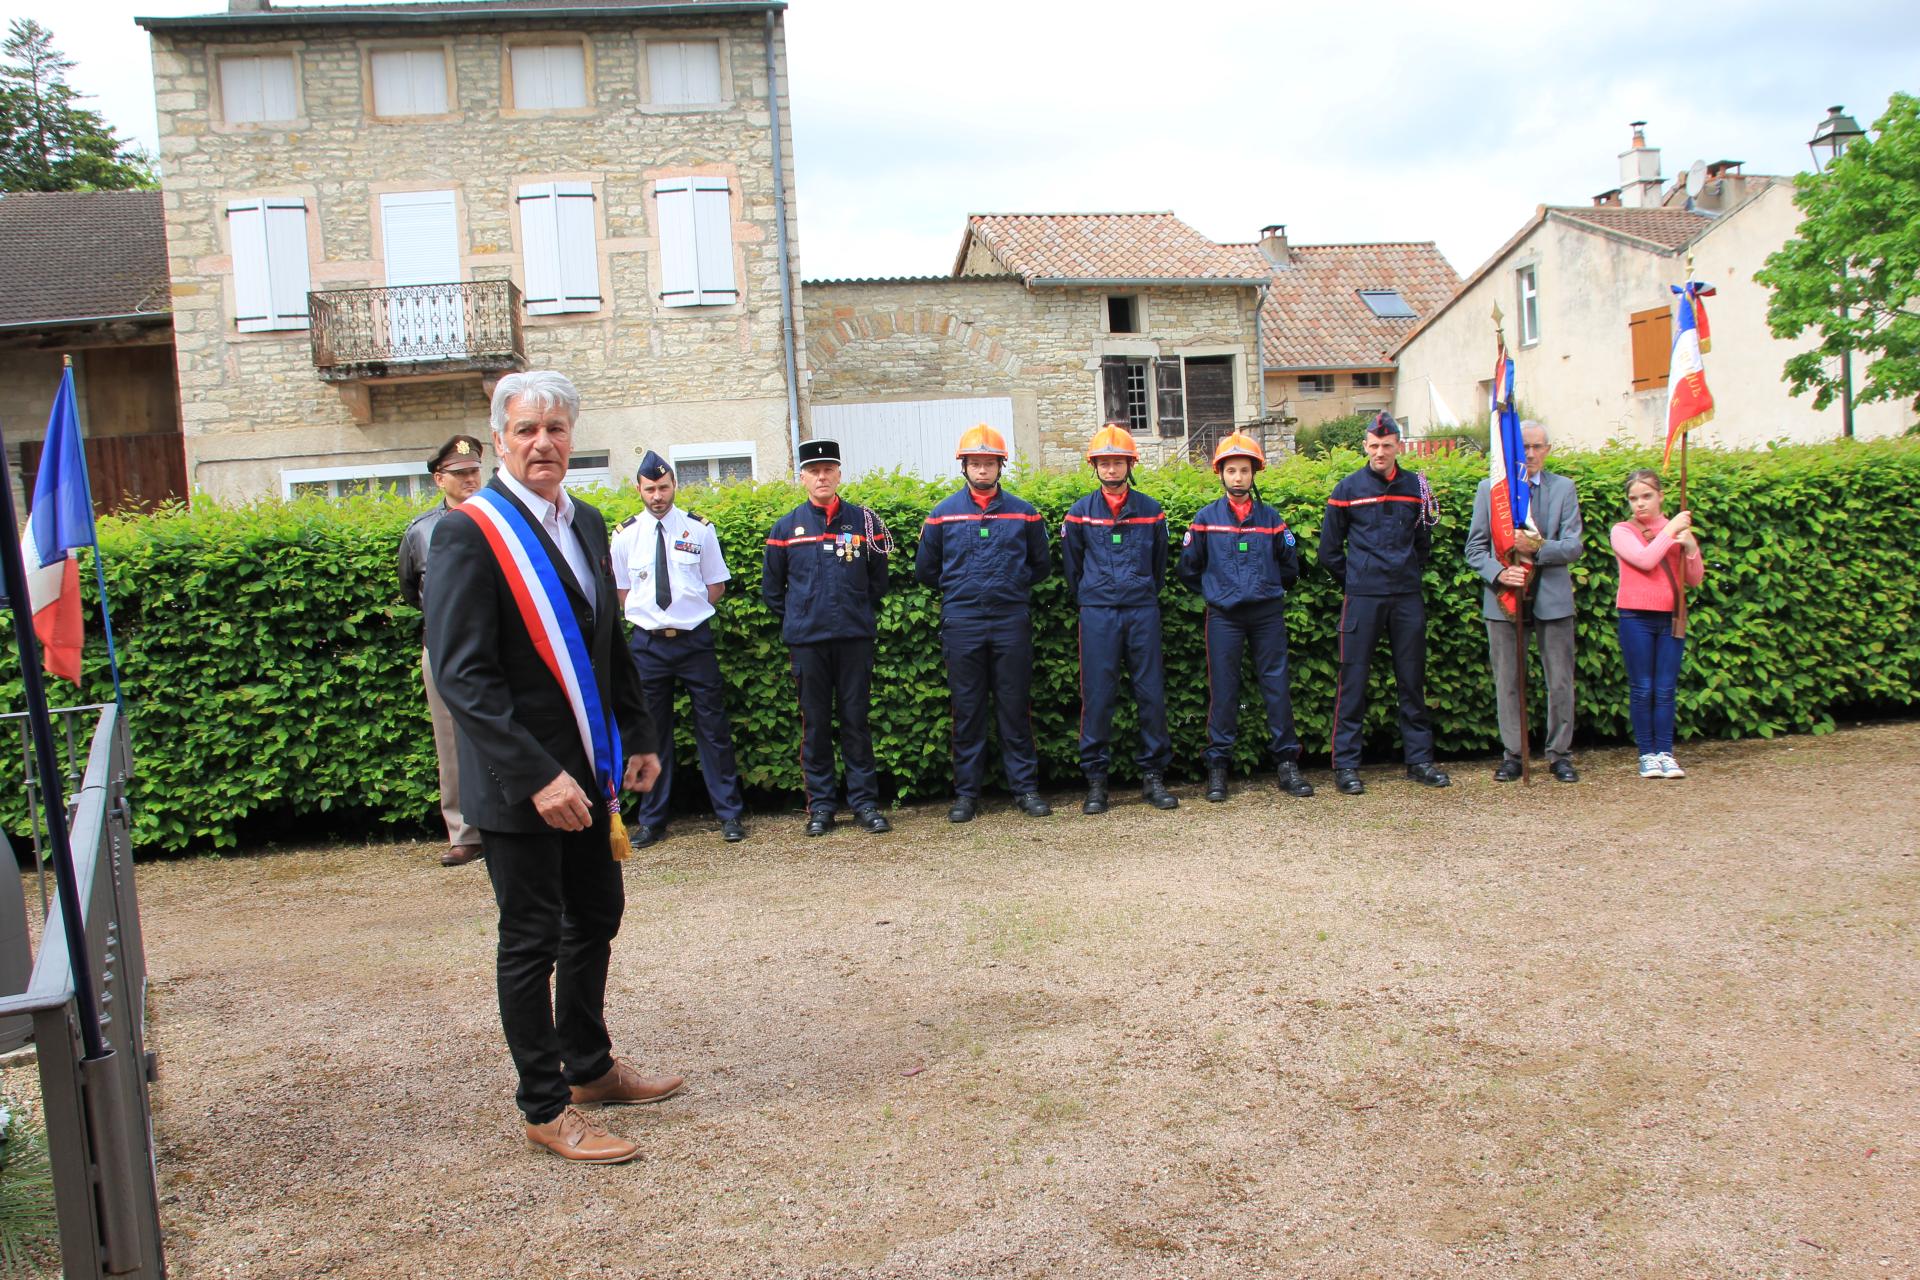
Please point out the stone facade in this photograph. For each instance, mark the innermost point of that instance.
(1286, 396)
(651, 376)
(991, 335)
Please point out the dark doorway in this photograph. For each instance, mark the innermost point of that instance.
(1209, 393)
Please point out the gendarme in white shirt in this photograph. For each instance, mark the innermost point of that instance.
(694, 563)
(557, 520)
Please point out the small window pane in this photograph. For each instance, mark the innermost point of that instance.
(735, 468)
(1387, 304)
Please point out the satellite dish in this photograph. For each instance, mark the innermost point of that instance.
(1696, 178)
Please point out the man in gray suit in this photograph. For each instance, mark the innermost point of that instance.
(1553, 510)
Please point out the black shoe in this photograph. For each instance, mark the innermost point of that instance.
(1428, 776)
(644, 835)
(1030, 803)
(733, 830)
(1508, 770)
(1155, 792)
(1347, 782)
(964, 807)
(1287, 777)
(873, 820)
(1216, 782)
(1564, 771)
(819, 823)
(1096, 801)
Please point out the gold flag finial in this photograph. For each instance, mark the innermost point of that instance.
(1496, 315)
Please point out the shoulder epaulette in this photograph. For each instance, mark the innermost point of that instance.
(632, 519)
(696, 517)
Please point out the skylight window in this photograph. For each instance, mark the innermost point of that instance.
(1387, 304)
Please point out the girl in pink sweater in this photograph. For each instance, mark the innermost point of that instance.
(1657, 556)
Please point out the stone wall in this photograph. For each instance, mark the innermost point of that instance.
(993, 336)
(252, 403)
(1311, 408)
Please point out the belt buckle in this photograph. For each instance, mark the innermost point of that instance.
(670, 632)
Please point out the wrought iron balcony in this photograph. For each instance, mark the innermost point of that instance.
(416, 330)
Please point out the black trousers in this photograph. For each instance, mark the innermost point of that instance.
(836, 679)
(1230, 634)
(991, 659)
(560, 900)
(1404, 619)
(688, 657)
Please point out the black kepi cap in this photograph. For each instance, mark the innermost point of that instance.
(819, 451)
(1383, 425)
(653, 466)
(461, 453)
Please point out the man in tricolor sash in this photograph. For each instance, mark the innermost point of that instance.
(523, 631)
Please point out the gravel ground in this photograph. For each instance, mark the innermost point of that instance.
(1627, 1028)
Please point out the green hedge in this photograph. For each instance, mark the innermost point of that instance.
(271, 666)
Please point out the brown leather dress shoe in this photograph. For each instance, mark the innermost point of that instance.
(460, 855)
(624, 1084)
(572, 1136)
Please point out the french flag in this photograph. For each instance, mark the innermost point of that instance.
(1689, 403)
(60, 519)
(1506, 471)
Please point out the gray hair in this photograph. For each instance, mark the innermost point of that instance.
(1529, 422)
(542, 389)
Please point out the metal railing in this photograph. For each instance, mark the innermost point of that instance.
(477, 322)
(98, 1115)
(71, 739)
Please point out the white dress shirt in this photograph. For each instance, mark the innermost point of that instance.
(557, 520)
(694, 563)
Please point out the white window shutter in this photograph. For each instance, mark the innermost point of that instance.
(409, 82)
(666, 72)
(252, 286)
(428, 69)
(679, 253)
(240, 91)
(540, 247)
(567, 75)
(713, 239)
(700, 67)
(579, 255)
(287, 267)
(532, 83)
(278, 101)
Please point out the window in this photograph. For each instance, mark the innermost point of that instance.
(557, 245)
(1367, 379)
(409, 82)
(1527, 281)
(588, 471)
(1123, 314)
(1650, 337)
(719, 463)
(1387, 304)
(407, 479)
(548, 77)
(269, 239)
(684, 72)
(255, 90)
(696, 242)
(1316, 384)
(1170, 386)
(1125, 392)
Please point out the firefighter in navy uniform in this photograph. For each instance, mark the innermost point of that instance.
(824, 575)
(1114, 547)
(1375, 540)
(984, 549)
(1240, 556)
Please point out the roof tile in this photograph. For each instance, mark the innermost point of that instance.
(1314, 317)
(69, 255)
(1107, 246)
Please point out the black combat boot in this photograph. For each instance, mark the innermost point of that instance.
(1154, 789)
(1288, 778)
(1216, 782)
(1096, 801)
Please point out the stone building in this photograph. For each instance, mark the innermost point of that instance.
(1048, 325)
(373, 213)
(1585, 292)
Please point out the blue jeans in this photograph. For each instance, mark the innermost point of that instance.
(1652, 654)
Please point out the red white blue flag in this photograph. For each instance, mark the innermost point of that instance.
(1689, 403)
(59, 520)
(1507, 491)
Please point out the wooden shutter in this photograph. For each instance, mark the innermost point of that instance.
(240, 91)
(713, 240)
(270, 276)
(278, 101)
(409, 82)
(683, 72)
(1650, 336)
(1113, 389)
(1172, 395)
(540, 248)
(549, 76)
(696, 242)
(579, 254)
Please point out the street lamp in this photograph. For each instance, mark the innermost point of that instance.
(1831, 138)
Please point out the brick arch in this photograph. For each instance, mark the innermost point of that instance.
(849, 325)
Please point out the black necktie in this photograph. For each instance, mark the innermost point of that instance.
(662, 593)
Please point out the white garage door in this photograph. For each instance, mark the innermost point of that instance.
(917, 436)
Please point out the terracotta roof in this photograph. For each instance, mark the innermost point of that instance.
(1058, 248)
(436, 10)
(980, 279)
(1668, 228)
(1314, 317)
(70, 255)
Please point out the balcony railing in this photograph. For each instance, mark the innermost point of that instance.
(361, 333)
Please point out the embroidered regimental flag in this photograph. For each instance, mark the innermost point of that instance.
(1689, 403)
(1506, 470)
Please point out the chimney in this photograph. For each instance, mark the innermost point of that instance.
(1607, 199)
(1273, 243)
(1640, 171)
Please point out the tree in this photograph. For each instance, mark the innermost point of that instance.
(1852, 270)
(47, 142)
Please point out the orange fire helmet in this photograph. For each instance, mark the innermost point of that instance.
(1113, 441)
(982, 442)
(1239, 445)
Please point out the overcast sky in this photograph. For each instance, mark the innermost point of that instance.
(1352, 121)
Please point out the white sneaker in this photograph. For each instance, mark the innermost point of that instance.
(1669, 767)
(1650, 767)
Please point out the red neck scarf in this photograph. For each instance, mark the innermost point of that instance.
(1114, 504)
(1241, 507)
(980, 499)
(832, 508)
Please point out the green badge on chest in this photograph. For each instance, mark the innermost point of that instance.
(1116, 537)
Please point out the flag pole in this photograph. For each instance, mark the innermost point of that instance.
(99, 567)
(1520, 596)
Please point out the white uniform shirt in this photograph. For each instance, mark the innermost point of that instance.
(557, 520)
(694, 562)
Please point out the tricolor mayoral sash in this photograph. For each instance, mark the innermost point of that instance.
(534, 580)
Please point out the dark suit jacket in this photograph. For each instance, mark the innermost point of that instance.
(515, 729)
